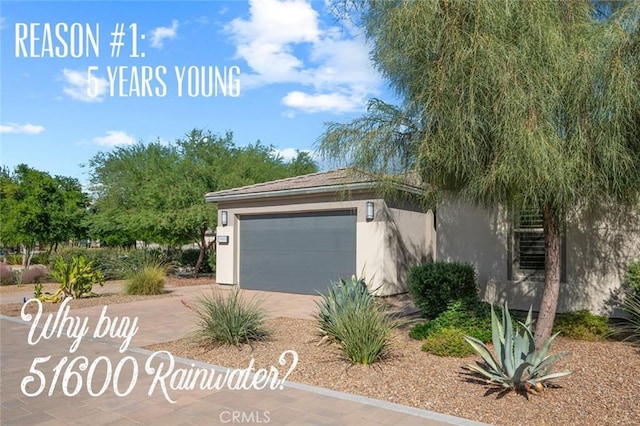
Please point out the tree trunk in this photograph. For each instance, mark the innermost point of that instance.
(549, 303)
(203, 251)
(27, 253)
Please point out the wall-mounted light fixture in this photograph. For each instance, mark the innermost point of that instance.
(369, 210)
(224, 217)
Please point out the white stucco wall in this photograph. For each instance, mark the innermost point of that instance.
(598, 246)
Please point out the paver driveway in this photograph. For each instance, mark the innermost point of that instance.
(295, 404)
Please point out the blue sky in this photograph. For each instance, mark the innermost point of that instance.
(289, 66)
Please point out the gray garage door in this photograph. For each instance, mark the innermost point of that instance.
(297, 253)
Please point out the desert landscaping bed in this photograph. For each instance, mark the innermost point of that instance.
(603, 390)
(110, 293)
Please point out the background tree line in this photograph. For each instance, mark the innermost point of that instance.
(150, 192)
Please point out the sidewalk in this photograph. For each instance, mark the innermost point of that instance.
(295, 404)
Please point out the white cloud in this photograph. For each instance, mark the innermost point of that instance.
(160, 34)
(289, 154)
(26, 129)
(327, 102)
(2, 21)
(114, 138)
(284, 41)
(78, 87)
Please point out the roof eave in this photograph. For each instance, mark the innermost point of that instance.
(305, 191)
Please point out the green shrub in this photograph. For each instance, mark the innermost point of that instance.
(145, 273)
(515, 363)
(13, 258)
(103, 259)
(211, 260)
(349, 316)
(229, 319)
(122, 264)
(40, 259)
(472, 317)
(631, 284)
(448, 341)
(582, 325)
(189, 257)
(434, 285)
(148, 280)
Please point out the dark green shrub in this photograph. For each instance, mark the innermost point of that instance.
(189, 258)
(229, 320)
(448, 342)
(631, 284)
(434, 285)
(40, 259)
(582, 325)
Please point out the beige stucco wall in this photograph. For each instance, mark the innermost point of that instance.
(385, 247)
(598, 246)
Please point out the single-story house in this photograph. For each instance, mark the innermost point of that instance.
(298, 234)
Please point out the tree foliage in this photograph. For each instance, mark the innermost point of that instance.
(155, 192)
(519, 103)
(37, 208)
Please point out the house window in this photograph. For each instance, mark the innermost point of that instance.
(529, 241)
(527, 247)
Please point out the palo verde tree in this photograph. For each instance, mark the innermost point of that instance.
(155, 192)
(518, 103)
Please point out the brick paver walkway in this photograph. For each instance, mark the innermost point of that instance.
(295, 404)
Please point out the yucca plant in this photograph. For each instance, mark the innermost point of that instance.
(517, 365)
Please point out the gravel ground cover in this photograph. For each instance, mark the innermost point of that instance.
(603, 390)
(110, 293)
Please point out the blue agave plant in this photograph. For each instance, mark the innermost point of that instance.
(516, 364)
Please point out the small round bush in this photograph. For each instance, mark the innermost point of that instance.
(471, 317)
(147, 281)
(582, 325)
(434, 285)
(448, 342)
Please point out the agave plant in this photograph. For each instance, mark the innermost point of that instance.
(340, 294)
(516, 364)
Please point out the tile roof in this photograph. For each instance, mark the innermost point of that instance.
(316, 181)
(329, 178)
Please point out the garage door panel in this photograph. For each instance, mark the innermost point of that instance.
(298, 253)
